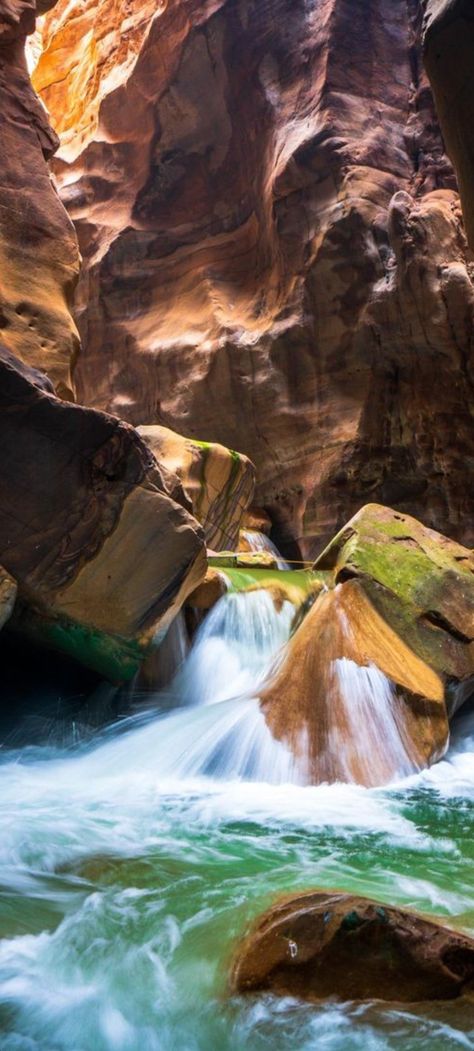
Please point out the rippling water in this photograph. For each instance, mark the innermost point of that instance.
(124, 890)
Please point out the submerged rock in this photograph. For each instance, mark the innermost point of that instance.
(321, 944)
(350, 700)
(420, 582)
(218, 482)
(102, 554)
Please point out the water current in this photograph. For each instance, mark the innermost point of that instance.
(131, 865)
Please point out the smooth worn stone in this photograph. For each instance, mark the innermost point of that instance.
(421, 582)
(350, 700)
(102, 554)
(218, 482)
(273, 247)
(321, 944)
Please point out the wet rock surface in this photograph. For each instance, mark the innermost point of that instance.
(421, 582)
(350, 700)
(322, 944)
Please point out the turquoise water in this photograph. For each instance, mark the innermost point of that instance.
(125, 890)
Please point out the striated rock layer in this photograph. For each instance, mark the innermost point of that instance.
(273, 249)
(102, 554)
(39, 259)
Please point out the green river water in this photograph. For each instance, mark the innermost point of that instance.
(126, 884)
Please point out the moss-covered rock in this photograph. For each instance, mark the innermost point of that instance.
(421, 582)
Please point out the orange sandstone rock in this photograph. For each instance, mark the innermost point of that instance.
(350, 700)
(273, 247)
(39, 258)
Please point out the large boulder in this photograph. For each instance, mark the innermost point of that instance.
(421, 582)
(103, 556)
(448, 51)
(218, 482)
(39, 256)
(321, 944)
(350, 700)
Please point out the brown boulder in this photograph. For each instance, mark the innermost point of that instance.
(218, 482)
(321, 944)
(350, 700)
(102, 555)
(421, 583)
(211, 589)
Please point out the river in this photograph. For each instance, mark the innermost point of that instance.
(131, 865)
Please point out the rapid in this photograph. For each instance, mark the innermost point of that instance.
(131, 865)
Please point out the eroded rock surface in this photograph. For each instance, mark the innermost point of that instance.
(273, 247)
(321, 944)
(449, 47)
(218, 482)
(421, 582)
(102, 554)
(350, 700)
(39, 259)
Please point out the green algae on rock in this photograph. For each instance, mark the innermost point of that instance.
(217, 481)
(103, 555)
(421, 582)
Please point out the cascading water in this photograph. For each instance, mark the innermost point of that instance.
(234, 648)
(260, 542)
(127, 876)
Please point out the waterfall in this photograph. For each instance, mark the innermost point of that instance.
(370, 725)
(233, 648)
(260, 542)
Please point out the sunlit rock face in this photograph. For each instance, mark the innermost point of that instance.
(102, 553)
(449, 43)
(273, 248)
(39, 258)
(350, 700)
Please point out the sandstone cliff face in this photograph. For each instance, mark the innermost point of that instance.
(449, 44)
(274, 254)
(39, 259)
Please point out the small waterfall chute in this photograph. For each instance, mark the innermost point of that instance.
(252, 540)
(233, 649)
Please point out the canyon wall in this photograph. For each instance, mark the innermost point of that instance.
(274, 255)
(39, 259)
